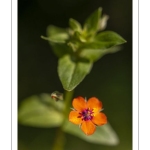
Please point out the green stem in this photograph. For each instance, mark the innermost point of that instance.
(60, 137)
(59, 140)
(68, 98)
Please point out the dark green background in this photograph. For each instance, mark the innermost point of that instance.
(110, 79)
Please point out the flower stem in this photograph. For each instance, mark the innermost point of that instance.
(60, 136)
(59, 140)
(68, 98)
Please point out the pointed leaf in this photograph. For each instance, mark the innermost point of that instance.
(109, 37)
(56, 34)
(103, 41)
(40, 111)
(97, 45)
(71, 72)
(91, 24)
(60, 49)
(75, 25)
(57, 39)
(95, 54)
(103, 134)
(79, 36)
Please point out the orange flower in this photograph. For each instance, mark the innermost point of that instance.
(87, 114)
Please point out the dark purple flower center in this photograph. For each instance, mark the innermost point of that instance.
(86, 114)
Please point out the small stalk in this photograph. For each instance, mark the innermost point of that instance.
(60, 136)
(68, 98)
(59, 140)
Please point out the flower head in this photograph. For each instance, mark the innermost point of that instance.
(87, 114)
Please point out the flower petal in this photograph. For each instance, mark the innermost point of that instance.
(73, 117)
(99, 119)
(95, 104)
(79, 103)
(88, 127)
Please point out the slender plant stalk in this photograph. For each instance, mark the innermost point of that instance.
(60, 136)
(59, 140)
(68, 98)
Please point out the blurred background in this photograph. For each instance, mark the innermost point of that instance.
(110, 79)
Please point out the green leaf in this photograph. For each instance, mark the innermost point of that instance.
(97, 45)
(109, 38)
(73, 46)
(103, 134)
(103, 41)
(75, 25)
(60, 49)
(40, 111)
(79, 36)
(91, 23)
(56, 34)
(46, 99)
(93, 54)
(72, 72)
(57, 39)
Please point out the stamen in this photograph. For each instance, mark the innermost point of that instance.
(86, 114)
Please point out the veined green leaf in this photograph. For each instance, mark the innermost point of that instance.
(103, 134)
(109, 37)
(40, 111)
(71, 72)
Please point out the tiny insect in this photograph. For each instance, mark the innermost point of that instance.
(57, 96)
